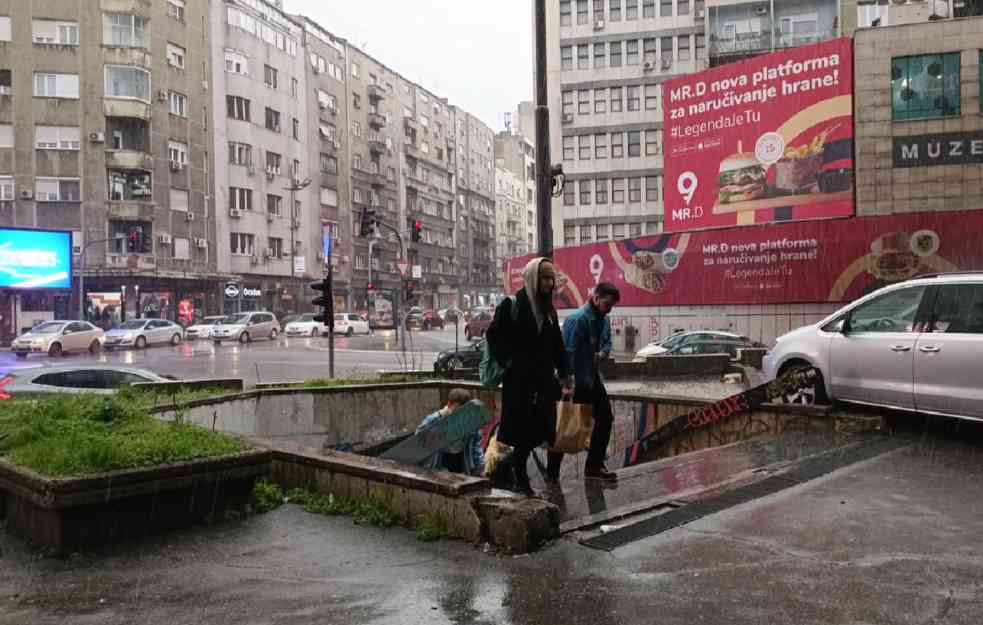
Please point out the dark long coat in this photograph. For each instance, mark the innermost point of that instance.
(530, 388)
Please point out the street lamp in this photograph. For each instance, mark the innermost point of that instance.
(298, 185)
(82, 273)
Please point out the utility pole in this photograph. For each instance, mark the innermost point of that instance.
(296, 185)
(544, 173)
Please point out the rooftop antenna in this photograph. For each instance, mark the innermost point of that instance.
(508, 122)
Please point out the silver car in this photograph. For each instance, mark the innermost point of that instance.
(244, 327)
(100, 379)
(58, 337)
(911, 346)
(140, 333)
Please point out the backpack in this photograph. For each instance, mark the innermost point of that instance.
(489, 371)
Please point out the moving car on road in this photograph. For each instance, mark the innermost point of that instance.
(912, 346)
(350, 324)
(203, 328)
(451, 315)
(468, 357)
(100, 379)
(304, 325)
(682, 343)
(55, 338)
(431, 320)
(478, 324)
(140, 333)
(245, 327)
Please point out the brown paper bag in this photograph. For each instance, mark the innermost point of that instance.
(574, 424)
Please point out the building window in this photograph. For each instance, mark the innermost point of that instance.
(701, 47)
(53, 137)
(271, 77)
(666, 50)
(567, 103)
(177, 153)
(598, 9)
(600, 55)
(634, 95)
(127, 82)
(665, 8)
(634, 230)
(583, 102)
(618, 191)
(357, 129)
(240, 153)
(682, 7)
(296, 129)
(585, 192)
(565, 12)
(274, 205)
(615, 54)
(652, 189)
(357, 162)
(631, 10)
(329, 197)
(273, 161)
(241, 243)
(272, 119)
(179, 200)
(925, 86)
(240, 199)
(585, 233)
(61, 86)
(568, 148)
(57, 190)
(583, 142)
(650, 52)
(634, 143)
(275, 247)
(683, 53)
(6, 31)
(634, 190)
(603, 231)
(582, 12)
(583, 56)
(236, 63)
(329, 164)
(600, 100)
(601, 191)
(355, 70)
(177, 104)
(616, 102)
(122, 30)
(568, 194)
(176, 55)
(49, 31)
(651, 142)
(600, 146)
(617, 145)
(569, 235)
(631, 52)
(651, 97)
(614, 10)
(175, 9)
(648, 8)
(7, 136)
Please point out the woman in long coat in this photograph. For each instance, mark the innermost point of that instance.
(531, 350)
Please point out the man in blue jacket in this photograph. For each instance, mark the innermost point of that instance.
(587, 336)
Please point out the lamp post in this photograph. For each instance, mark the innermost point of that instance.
(82, 273)
(297, 185)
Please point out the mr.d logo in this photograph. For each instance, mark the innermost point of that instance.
(232, 290)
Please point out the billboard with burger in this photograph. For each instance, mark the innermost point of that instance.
(769, 139)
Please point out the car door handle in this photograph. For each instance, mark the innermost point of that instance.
(901, 348)
(929, 349)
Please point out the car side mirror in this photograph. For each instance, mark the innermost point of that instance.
(845, 325)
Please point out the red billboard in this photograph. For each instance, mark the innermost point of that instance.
(803, 262)
(769, 139)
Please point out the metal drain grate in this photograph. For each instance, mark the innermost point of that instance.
(806, 470)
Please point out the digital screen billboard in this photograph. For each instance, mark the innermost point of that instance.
(35, 259)
(768, 139)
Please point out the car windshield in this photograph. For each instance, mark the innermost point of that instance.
(213, 322)
(235, 320)
(133, 324)
(307, 317)
(47, 328)
(673, 340)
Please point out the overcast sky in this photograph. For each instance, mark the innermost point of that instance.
(476, 53)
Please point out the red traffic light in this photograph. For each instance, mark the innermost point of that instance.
(370, 287)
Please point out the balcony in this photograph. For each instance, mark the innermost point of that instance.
(410, 122)
(740, 44)
(376, 177)
(377, 121)
(376, 92)
(129, 159)
(134, 109)
(139, 57)
(130, 186)
(377, 143)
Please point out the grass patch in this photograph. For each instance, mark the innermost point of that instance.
(331, 383)
(432, 527)
(73, 435)
(267, 496)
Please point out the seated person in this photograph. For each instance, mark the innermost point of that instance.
(463, 456)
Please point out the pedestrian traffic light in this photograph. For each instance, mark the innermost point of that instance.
(409, 291)
(370, 287)
(367, 222)
(416, 231)
(325, 301)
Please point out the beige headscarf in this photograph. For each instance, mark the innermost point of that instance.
(530, 279)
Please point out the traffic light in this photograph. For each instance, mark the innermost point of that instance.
(367, 222)
(409, 291)
(325, 301)
(370, 287)
(416, 231)
(134, 241)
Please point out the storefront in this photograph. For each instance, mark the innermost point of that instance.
(35, 279)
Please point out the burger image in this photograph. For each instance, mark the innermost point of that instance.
(891, 258)
(742, 178)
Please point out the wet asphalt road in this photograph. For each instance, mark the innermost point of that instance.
(269, 361)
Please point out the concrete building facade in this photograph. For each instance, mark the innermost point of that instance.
(517, 155)
(476, 209)
(510, 214)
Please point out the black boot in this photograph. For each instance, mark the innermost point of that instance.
(520, 460)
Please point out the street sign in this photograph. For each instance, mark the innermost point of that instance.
(417, 272)
(232, 290)
(300, 264)
(403, 266)
(327, 246)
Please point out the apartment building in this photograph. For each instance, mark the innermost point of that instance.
(510, 209)
(476, 209)
(516, 154)
(606, 63)
(105, 130)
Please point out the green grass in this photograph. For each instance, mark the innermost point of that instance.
(432, 527)
(267, 496)
(75, 435)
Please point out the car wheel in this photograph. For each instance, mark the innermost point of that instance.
(455, 364)
(175, 339)
(313, 332)
(350, 332)
(811, 396)
(244, 337)
(20, 355)
(273, 335)
(55, 350)
(95, 346)
(217, 343)
(141, 342)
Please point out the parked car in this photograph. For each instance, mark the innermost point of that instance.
(478, 324)
(304, 325)
(912, 346)
(55, 338)
(203, 328)
(140, 333)
(431, 320)
(413, 318)
(350, 324)
(686, 342)
(468, 357)
(245, 327)
(287, 320)
(451, 315)
(100, 379)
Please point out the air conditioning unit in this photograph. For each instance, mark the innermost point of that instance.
(648, 66)
(270, 252)
(598, 24)
(164, 239)
(97, 137)
(235, 212)
(201, 244)
(666, 63)
(254, 260)
(762, 10)
(568, 118)
(177, 166)
(27, 194)
(189, 216)
(699, 13)
(162, 95)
